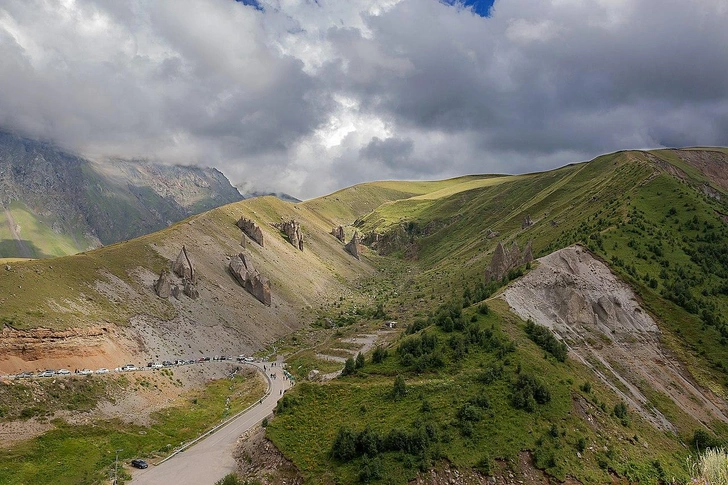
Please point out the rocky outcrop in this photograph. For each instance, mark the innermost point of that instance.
(292, 229)
(190, 290)
(338, 233)
(527, 222)
(505, 260)
(491, 234)
(354, 246)
(163, 286)
(241, 268)
(251, 229)
(183, 267)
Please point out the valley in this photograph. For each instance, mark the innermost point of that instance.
(592, 350)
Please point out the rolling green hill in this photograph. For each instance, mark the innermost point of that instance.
(484, 391)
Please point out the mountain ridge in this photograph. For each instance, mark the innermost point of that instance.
(63, 203)
(647, 215)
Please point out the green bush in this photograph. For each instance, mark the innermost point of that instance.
(230, 479)
(399, 389)
(528, 391)
(379, 355)
(544, 338)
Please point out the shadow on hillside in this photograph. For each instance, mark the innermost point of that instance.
(11, 248)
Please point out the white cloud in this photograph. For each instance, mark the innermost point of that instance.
(308, 96)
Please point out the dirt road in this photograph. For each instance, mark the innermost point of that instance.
(212, 458)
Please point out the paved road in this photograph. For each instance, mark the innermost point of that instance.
(211, 459)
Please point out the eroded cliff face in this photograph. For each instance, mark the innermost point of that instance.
(43, 348)
(600, 319)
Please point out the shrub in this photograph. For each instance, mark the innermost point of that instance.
(349, 367)
(359, 363)
(371, 469)
(379, 355)
(544, 338)
(230, 479)
(344, 446)
(702, 440)
(620, 410)
(399, 390)
(529, 391)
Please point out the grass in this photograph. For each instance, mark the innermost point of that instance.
(316, 412)
(437, 237)
(601, 204)
(37, 235)
(84, 454)
(710, 467)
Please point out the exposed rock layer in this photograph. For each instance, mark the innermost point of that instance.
(338, 233)
(353, 247)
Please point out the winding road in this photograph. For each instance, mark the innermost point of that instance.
(211, 458)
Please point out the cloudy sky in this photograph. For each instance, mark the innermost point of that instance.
(308, 96)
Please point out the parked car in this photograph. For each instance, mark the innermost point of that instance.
(167, 363)
(47, 373)
(24, 375)
(85, 372)
(63, 372)
(157, 365)
(103, 370)
(128, 367)
(137, 463)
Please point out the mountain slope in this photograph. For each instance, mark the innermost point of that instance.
(56, 203)
(483, 389)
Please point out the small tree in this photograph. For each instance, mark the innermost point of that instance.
(379, 355)
(349, 367)
(344, 446)
(400, 388)
(359, 360)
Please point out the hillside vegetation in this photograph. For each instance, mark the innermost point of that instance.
(465, 383)
(479, 389)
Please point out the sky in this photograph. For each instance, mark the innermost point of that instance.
(310, 96)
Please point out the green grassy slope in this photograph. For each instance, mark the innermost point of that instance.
(37, 235)
(643, 213)
(476, 384)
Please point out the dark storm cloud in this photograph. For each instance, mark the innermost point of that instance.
(307, 97)
(544, 80)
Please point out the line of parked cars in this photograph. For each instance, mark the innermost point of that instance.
(132, 367)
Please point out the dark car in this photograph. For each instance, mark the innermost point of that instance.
(141, 464)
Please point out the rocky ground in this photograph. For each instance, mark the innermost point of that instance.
(259, 459)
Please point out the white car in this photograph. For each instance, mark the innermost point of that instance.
(85, 372)
(103, 370)
(63, 372)
(128, 367)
